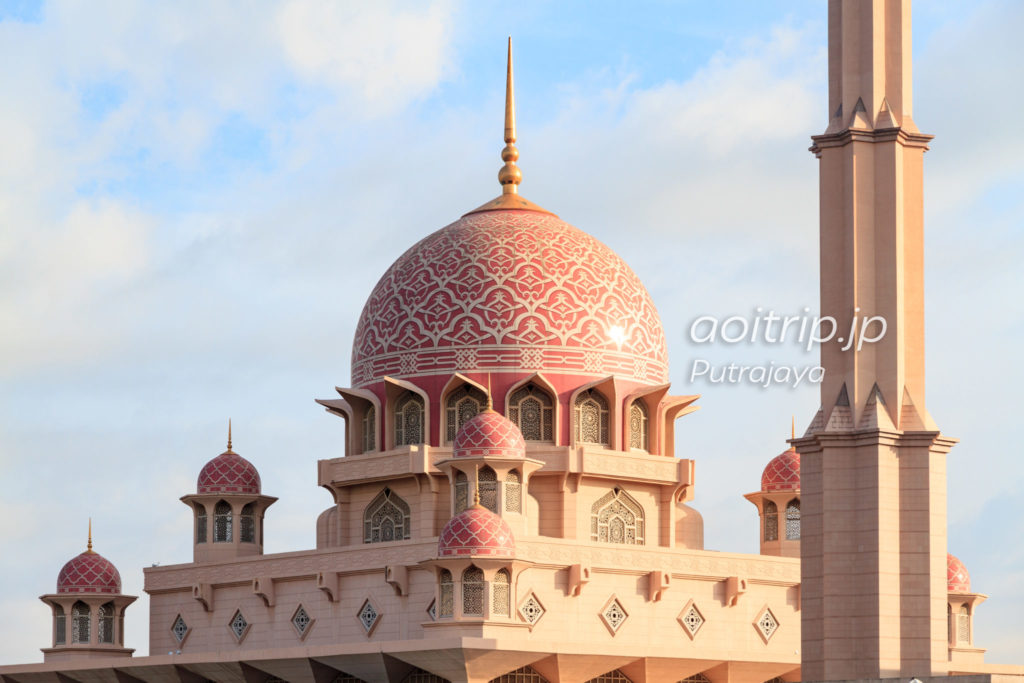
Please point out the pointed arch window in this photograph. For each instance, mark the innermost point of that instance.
(386, 518)
(59, 625)
(513, 491)
(793, 520)
(532, 410)
(591, 418)
(200, 523)
(473, 592)
(461, 491)
(79, 623)
(105, 623)
(222, 522)
(446, 601)
(409, 419)
(370, 429)
(638, 426)
(963, 625)
(461, 406)
(247, 524)
(487, 484)
(617, 518)
(771, 521)
(500, 593)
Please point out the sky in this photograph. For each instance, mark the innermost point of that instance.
(197, 198)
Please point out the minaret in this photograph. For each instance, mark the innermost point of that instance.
(873, 469)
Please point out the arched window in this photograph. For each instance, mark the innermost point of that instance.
(611, 677)
(105, 623)
(200, 523)
(771, 521)
(247, 524)
(461, 406)
(963, 625)
(487, 484)
(79, 623)
(793, 520)
(525, 674)
(222, 523)
(446, 603)
(617, 518)
(473, 592)
(638, 426)
(59, 626)
(532, 410)
(386, 518)
(500, 593)
(409, 419)
(696, 678)
(513, 492)
(461, 491)
(370, 430)
(591, 418)
(418, 675)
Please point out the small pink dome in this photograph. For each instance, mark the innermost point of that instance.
(782, 473)
(490, 433)
(957, 578)
(228, 473)
(476, 531)
(89, 573)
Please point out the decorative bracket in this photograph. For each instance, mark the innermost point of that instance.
(734, 588)
(203, 592)
(579, 575)
(263, 586)
(328, 583)
(397, 575)
(657, 583)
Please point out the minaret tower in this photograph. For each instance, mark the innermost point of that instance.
(873, 469)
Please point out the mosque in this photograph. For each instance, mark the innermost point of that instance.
(510, 509)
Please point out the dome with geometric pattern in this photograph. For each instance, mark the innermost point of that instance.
(489, 434)
(476, 531)
(782, 473)
(89, 572)
(509, 289)
(957, 578)
(228, 473)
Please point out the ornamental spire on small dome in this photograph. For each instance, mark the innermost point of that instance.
(88, 546)
(229, 437)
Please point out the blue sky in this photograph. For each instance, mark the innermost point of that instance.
(196, 200)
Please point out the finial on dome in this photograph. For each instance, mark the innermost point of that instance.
(792, 428)
(490, 400)
(510, 176)
(229, 436)
(88, 547)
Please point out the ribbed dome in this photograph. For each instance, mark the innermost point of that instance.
(782, 473)
(957, 578)
(507, 290)
(228, 473)
(89, 573)
(490, 434)
(476, 531)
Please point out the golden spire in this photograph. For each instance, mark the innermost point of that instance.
(476, 496)
(490, 401)
(792, 428)
(510, 176)
(88, 547)
(229, 436)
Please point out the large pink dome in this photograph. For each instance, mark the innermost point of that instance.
(509, 289)
(89, 573)
(489, 434)
(476, 531)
